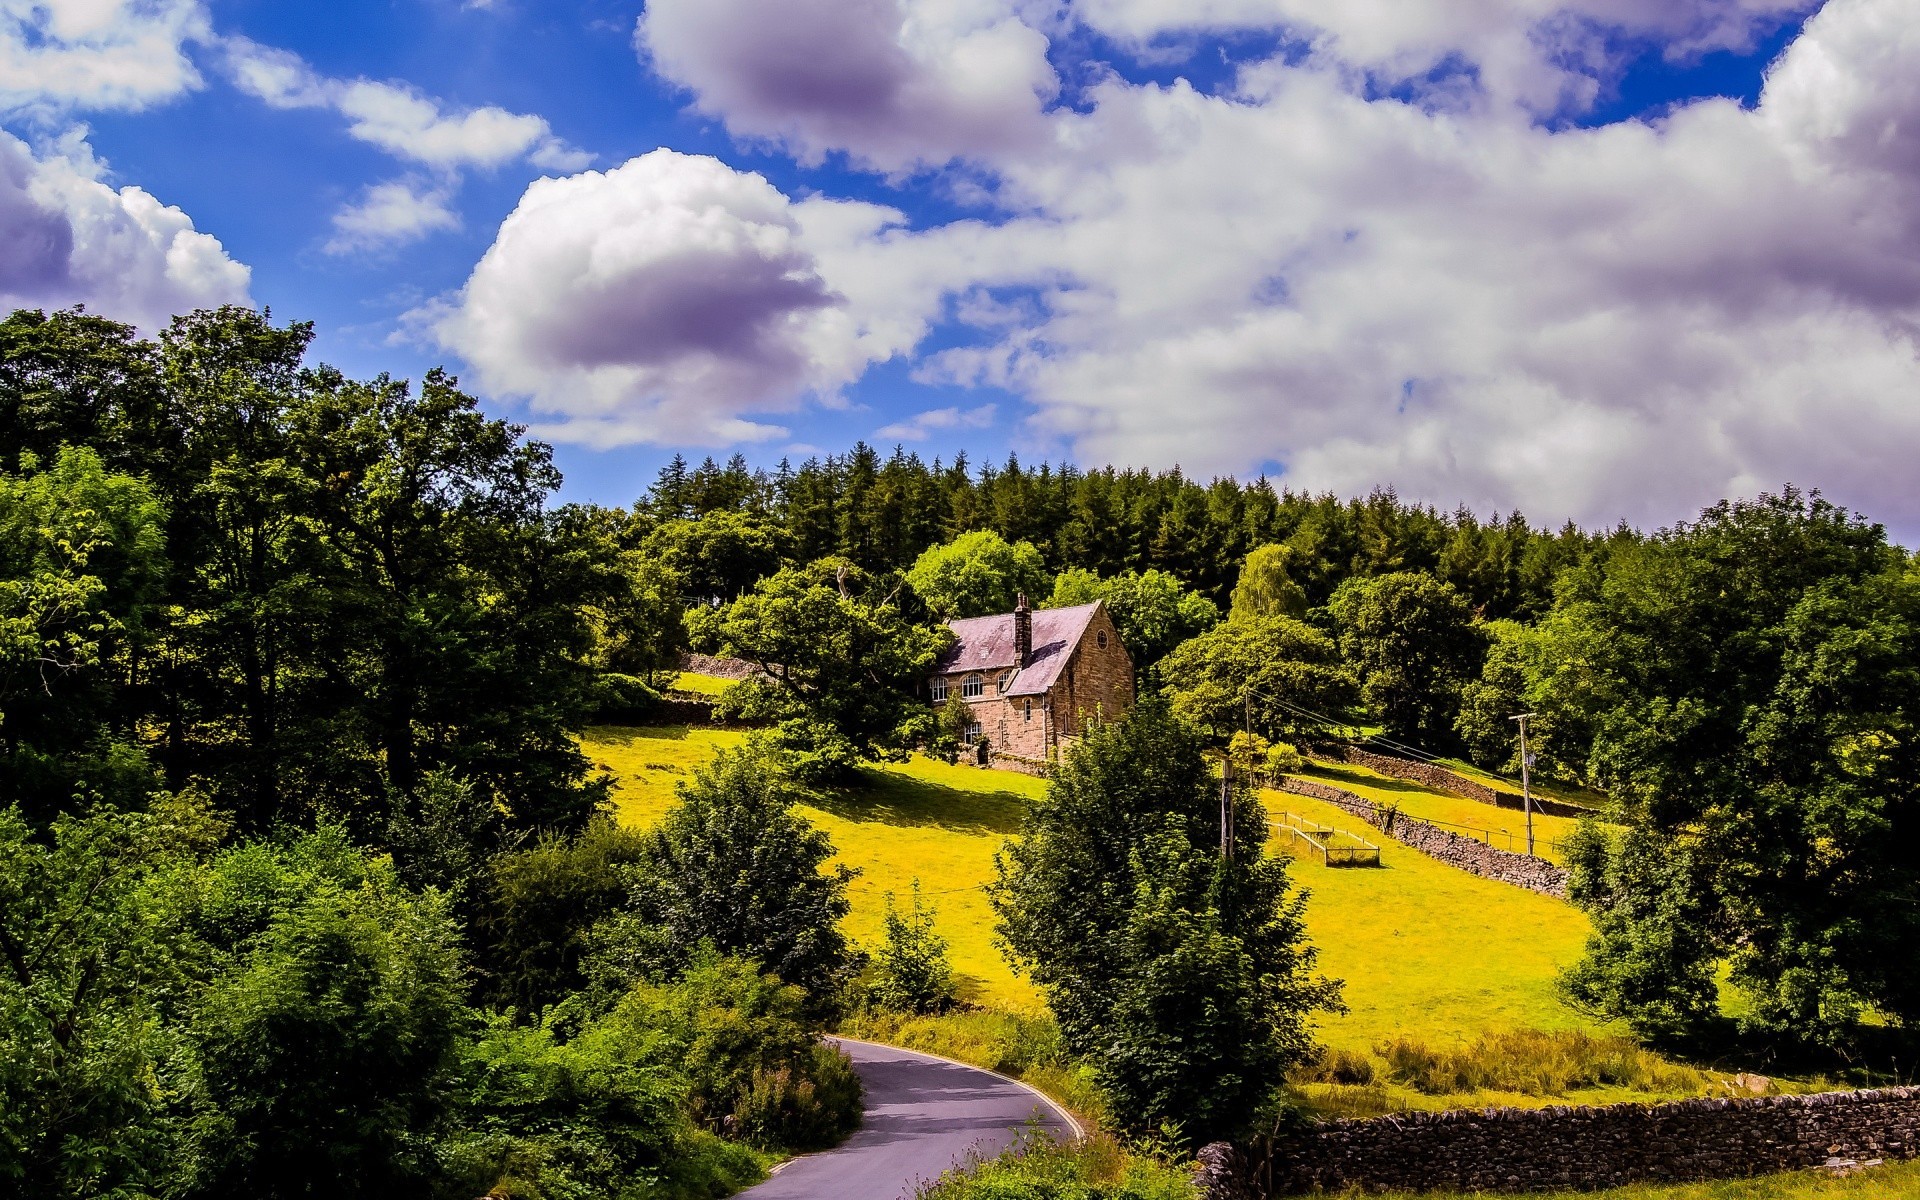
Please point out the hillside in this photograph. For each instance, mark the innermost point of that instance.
(1426, 950)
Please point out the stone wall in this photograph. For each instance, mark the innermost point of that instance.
(1512, 1150)
(1442, 780)
(719, 668)
(1456, 850)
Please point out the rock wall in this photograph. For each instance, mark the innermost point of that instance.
(719, 668)
(1456, 850)
(1443, 780)
(1507, 1149)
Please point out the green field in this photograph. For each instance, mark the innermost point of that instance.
(706, 685)
(1427, 951)
(1502, 828)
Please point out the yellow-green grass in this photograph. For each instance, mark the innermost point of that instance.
(1895, 1181)
(921, 820)
(1508, 828)
(706, 685)
(1431, 951)
(1552, 789)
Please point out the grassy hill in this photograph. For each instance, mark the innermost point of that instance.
(1427, 951)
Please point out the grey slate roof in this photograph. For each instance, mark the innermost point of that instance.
(986, 644)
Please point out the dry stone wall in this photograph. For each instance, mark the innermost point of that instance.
(1456, 850)
(1514, 1150)
(1443, 780)
(719, 668)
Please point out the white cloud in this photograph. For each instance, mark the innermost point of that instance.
(66, 237)
(899, 84)
(97, 54)
(922, 426)
(398, 118)
(392, 214)
(669, 299)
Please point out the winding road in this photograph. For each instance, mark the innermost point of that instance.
(923, 1115)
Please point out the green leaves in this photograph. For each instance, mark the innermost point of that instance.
(978, 574)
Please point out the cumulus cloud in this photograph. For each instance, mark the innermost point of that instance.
(1623, 321)
(392, 214)
(667, 300)
(66, 237)
(98, 54)
(898, 84)
(399, 119)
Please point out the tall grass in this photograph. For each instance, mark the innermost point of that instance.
(1038, 1168)
(1534, 1062)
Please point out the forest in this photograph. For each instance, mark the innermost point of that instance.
(306, 883)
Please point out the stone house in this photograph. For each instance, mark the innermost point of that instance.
(1033, 679)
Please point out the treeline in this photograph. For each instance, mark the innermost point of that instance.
(883, 512)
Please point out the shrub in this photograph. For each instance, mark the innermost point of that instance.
(804, 1108)
(541, 906)
(911, 971)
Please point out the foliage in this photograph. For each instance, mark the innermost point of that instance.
(719, 557)
(977, 574)
(1414, 644)
(732, 867)
(1152, 610)
(741, 1042)
(911, 972)
(325, 1045)
(540, 909)
(1182, 975)
(1485, 725)
(1265, 589)
(1267, 670)
(1747, 683)
(837, 650)
(1039, 1168)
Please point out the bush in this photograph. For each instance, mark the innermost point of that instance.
(1346, 1067)
(1039, 1168)
(751, 1064)
(540, 909)
(911, 971)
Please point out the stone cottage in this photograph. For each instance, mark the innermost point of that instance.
(1033, 679)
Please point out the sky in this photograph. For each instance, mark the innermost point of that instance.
(1597, 260)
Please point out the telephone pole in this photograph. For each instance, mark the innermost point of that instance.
(1526, 778)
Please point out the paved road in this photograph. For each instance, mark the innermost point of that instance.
(923, 1115)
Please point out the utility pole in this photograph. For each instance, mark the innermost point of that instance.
(1226, 828)
(1526, 778)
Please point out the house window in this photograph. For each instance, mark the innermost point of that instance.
(939, 689)
(1029, 710)
(973, 732)
(972, 687)
(1100, 639)
(1006, 681)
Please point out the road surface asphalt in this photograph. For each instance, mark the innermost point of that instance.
(923, 1115)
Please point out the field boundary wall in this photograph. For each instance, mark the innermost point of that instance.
(1571, 1147)
(1453, 849)
(1442, 780)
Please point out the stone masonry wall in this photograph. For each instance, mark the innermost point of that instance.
(1442, 780)
(719, 668)
(1456, 850)
(1572, 1147)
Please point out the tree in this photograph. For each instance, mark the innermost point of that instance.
(1415, 646)
(840, 660)
(1265, 588)
(1275, 669)
(324, 1043)
(1748, 687)
(977, 574)
(719, 556)
(1116, 894)
(1151, 609)
(911, 970)
(732, 867)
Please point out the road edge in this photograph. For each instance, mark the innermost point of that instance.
(1073, 1122)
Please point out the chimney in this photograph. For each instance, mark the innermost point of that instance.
(1022, 631)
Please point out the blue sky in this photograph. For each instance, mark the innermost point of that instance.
(1522, 257)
